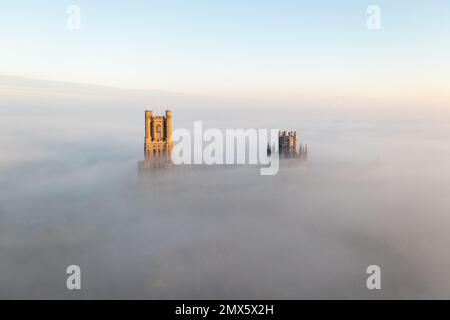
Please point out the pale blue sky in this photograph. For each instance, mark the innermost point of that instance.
(232, 47)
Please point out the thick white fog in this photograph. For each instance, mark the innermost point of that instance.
(375, 190)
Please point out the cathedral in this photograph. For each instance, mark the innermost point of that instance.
(158, 133)
(287, 146)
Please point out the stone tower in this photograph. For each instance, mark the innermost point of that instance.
(287, 141)
(158, 133)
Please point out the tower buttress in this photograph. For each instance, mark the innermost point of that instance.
(148, 131)
(169, 127)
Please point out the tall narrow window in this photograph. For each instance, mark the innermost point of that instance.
(158, 131)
